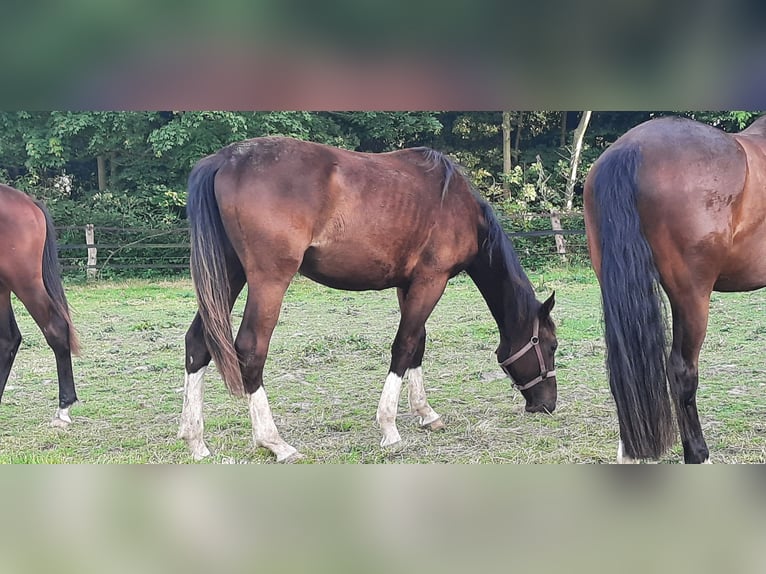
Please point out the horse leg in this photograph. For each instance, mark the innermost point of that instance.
(689, 327)
(264, 300)
(416, 395)
(10, 338)
(55, 328)
(416, 306)
(192, 426)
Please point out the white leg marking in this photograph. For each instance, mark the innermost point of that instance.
(192, 424)
(416, 396)
(622, 458)
(707, 461)
(265, 432)
(62, 418)
(387, 409)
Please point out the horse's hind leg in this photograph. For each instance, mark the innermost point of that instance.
(10, 338)
(56, 330)
(416, 394)
(416, 306)
(689, 327)
(192, 427)
(264, 300)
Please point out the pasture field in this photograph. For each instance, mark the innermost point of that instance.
(328, 359)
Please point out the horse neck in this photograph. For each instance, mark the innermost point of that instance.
(508, 293)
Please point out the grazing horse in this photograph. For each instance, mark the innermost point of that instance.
(29, 267)
(676, 205)
(265, 209)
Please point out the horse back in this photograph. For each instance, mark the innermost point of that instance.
(348, 219)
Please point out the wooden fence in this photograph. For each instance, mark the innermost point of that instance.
(96, 250)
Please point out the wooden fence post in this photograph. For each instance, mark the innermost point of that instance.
(90, 240)
(561, 246)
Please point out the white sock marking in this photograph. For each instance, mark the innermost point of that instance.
(387, 409)
(265, 432)
(622, 458)
(192, 425)
(417, 397)
(62, 418)
(63, 414)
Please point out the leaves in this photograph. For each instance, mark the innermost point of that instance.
(147, 155)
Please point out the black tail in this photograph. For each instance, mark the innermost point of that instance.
(52, 278)
(209, 272)
(634, 317)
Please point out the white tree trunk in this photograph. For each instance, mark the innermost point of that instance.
(506, 152)
(579, 134)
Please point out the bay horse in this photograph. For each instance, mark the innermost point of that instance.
(264, 209)
(679, 206)
(29, 268)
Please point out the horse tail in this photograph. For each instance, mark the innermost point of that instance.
(52, 278)
(634, 313)
(209, 272)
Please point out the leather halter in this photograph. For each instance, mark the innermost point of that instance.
(534, 343)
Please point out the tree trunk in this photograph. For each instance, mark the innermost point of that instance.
(507, 153)
(517, 143)
(563, 135)
(113, 170)
(579, 134)
(101, 165)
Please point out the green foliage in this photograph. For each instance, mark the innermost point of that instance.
(145, 157)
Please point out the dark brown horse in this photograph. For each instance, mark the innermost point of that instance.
(29, 268)
(265, 209)
(679, 205)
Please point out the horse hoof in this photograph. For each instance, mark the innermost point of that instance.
(436, 425)
(199, 451)
(390, 441)
(290, 458)
(58, 423)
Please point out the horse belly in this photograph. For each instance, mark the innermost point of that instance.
(352, 268)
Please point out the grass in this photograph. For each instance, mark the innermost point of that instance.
(328, 358)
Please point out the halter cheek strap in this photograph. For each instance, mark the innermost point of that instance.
(534, 343)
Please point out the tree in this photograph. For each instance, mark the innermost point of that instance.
(579, 135)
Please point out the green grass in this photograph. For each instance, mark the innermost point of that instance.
(328, 359)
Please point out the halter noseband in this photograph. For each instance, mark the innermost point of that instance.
(534, 342)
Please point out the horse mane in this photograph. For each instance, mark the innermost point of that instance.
(502, 256)
(436, 159)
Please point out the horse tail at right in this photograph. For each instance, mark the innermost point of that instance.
(52, 278)
(634, 313)
(209, 271)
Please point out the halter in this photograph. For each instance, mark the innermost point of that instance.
(534, 342)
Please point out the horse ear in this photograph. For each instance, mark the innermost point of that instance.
(547, 306)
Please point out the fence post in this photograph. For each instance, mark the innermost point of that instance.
(561, 246)
(90, 240)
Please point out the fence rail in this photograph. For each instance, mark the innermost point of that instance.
(94, 250)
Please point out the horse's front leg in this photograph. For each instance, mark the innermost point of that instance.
(416, 304)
